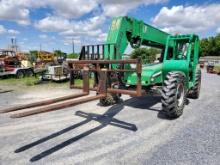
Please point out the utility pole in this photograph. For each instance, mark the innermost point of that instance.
(73, 46)
(12, 44)
(40, 47)
(16, 47)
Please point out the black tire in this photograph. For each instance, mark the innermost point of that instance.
(29, 73)
(195, 91)
(110, 99)
(173, 95)
(20, 74)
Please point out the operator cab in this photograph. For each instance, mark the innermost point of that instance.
(179, 51)
(181, 47)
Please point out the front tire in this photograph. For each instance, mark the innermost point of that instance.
(110, 99)
(173, 95)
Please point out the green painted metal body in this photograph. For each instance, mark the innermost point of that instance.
(151, 74)
(180, 52)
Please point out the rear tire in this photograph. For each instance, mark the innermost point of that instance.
(173, 95)
(195, 91)
(29, 73)
(20, 74)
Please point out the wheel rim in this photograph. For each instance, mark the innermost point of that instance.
(180, 95)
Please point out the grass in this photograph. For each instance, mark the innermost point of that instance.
(29, 82)
(79, 82)
(216, 68)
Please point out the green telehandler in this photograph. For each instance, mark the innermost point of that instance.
(176, 74)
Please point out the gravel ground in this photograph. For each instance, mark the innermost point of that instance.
(134, 132)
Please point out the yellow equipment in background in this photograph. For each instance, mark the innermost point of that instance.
(45, 56)
(26, 63)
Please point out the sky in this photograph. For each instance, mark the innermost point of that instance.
(54, 24)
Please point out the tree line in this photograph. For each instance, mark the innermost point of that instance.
(33, 54)
(148, 55)
(210, 46)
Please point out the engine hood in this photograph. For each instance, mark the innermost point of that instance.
(151, 74)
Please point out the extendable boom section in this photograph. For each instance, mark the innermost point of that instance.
(124, 30)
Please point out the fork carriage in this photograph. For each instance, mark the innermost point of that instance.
(101, 70)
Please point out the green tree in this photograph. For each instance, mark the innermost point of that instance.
(217, 44)
(148, 55)
(204, 47)
(59, 53)
(73, 55)
(210, 46)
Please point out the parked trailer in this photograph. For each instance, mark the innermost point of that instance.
(14, 64)
(18, 72)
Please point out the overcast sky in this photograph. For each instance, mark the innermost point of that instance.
(53, 23)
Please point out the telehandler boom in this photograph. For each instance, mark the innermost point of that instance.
(176, 75)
